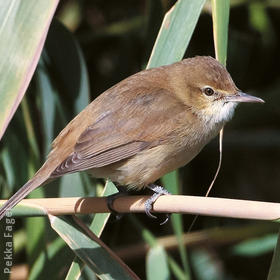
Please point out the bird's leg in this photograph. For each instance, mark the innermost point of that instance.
(158, 191)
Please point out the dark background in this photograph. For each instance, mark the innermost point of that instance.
(116, 38)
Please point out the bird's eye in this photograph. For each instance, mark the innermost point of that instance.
(208, 91)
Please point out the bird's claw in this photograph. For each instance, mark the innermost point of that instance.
(158, 191)
(149, 205)
(167, 215)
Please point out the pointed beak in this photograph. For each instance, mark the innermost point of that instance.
(243, 97)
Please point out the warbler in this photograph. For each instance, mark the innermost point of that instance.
(145, 126)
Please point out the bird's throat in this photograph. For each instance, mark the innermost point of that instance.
(218, 113)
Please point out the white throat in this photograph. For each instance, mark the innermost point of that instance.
(218, 114)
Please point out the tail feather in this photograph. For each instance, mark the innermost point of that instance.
(19, 195)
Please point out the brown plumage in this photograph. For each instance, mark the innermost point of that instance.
(145, 126)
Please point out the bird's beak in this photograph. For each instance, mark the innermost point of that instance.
(243, 97)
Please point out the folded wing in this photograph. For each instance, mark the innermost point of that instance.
(135, 124)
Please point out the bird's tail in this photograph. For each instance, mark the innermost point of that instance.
(20, 194)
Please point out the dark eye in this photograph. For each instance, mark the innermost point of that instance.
(208, 91)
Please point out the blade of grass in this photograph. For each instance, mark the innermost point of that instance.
(22, 34)
(47, 92)
(52, 262)
(171, 181)
(35, 228)
(15, 170)
(220, 15)
(70, 75)
(98, 223)
(89, 248)
(256, 246)
(274, 271)
(152, 242)
(175, 32)
(30, 130)
(157, 265)
(71, 185)
(206, 266)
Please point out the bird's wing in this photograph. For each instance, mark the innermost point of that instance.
(135, 124)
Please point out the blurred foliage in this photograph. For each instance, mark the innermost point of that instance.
(106, 41)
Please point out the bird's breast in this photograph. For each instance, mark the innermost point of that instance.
(149, 165)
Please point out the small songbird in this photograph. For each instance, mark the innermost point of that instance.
(147, 125)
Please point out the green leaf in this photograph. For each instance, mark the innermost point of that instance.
(71, 185)
(98, 223)
(99, 258)
(274, 271)
(205, 266)
(175, 32)
(7, 162)
(176, 270)
(30, 131)
(24, 211)
(157, 266)
(71, 75)
(35, 230)
(47, 92)
(52, 262)
(259, 17)
(220, 15)
(171, 181)
(15, 170)
(150, 239)
(23, 29)
(255, 247)
(61, 79)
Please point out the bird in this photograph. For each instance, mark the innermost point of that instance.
(145, 126)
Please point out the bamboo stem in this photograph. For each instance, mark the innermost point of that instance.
(209, 206)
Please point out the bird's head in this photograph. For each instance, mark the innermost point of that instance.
(212, 94)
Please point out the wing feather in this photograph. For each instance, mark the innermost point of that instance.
(75, 163)
(135, 124)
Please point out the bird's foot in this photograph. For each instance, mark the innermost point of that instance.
(158, 191)
(110, 201)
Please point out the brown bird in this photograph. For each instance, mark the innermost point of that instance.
(147, 125)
